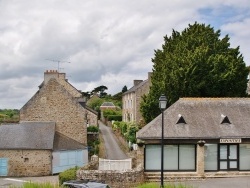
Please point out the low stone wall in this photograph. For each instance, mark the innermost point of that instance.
(115, 179)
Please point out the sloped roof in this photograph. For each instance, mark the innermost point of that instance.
(203, 118)
(110, 104)
(134, 88)
(27, 135)
(62, 142)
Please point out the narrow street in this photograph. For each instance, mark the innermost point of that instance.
(113, 150)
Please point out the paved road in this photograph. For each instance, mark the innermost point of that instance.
(113, 150)
(236, 182)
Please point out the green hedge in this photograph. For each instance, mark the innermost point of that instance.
(67, 175)
(114, 118)
(92, 128)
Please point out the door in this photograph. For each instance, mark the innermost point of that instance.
(3, 166)
(228, 157)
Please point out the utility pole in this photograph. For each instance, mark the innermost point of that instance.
(58, 63)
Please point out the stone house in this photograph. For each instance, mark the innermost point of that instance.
(35, 149)
(132, 98)
(203, 137)
(58, 102)
(107, 106)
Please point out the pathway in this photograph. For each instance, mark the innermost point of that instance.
(113, 150)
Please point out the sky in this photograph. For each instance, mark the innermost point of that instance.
(100, 42)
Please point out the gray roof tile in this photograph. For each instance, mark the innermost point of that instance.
(203, 117)
(27, 135)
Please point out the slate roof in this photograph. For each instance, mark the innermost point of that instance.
(62, 142)
(108, 104)
(203, 118)
(27, 135)
(134, 88)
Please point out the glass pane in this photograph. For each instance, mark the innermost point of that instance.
(223, 151)
(186, 157)
(153, 157)
(244, 157)
(211, 156)
(171, 157)
(233, 164)
(233, 152)
(223, 165)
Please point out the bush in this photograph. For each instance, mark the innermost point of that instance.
(92, 128)
(67, 175)
(114, 117)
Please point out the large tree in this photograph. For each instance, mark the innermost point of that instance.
(196, 62)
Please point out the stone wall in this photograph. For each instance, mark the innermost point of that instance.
(28, 162)
(115, 179)
(60, 77)
(54, 103)
(136, 97)
(138, 94)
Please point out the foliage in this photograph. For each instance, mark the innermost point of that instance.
(92, 128)
(109, 112)
(9, 115)
(100, 90)
(118, 97)
(114, 118)
(95, 103)
(127, 129)
(124, 89)
(166, 185)
(67, 175)
(93, 147)
(196, 62)
(36, 185)
(131, 132)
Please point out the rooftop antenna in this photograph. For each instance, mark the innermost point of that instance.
(58, 63)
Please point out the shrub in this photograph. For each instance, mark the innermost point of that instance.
(114, 117)
(67, 175)
(92, 128)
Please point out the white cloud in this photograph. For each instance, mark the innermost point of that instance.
(109, 42)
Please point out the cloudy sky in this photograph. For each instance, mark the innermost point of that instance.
(107, 42)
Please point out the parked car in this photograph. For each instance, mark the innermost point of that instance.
(85, 184)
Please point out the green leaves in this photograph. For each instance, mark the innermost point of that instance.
(196, 62)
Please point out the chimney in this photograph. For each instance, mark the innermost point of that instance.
(136, 82)
(48, 74)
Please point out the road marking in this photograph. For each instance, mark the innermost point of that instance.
(10, 179)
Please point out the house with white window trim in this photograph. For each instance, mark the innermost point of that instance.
(132, 98)
(203, 137)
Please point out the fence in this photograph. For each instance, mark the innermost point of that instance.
(108, 164)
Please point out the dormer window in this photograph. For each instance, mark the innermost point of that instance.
(224, 119)
(181, 120)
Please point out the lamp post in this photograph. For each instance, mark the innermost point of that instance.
(162, 106)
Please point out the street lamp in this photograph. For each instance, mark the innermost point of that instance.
(162, 106)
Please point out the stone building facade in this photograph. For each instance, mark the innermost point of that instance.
(132, 98)
(28, 162)
(52, 134)
(58, 101)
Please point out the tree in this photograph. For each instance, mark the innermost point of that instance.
(100, 90)
(124, 89)
(195, 63)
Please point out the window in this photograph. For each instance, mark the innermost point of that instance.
(211, 153)
(244, 157)
(176, 157)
